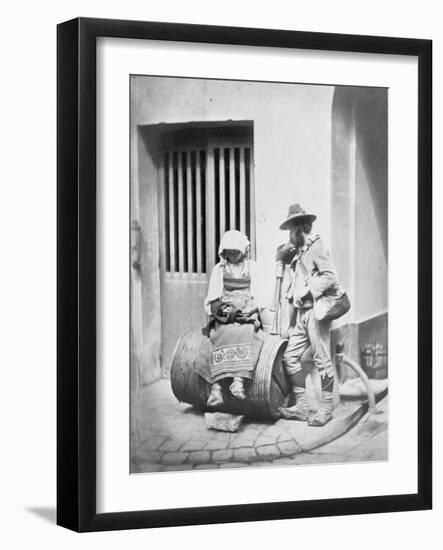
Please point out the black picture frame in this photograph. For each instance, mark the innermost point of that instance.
(76, 273)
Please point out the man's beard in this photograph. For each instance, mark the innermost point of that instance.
(299, 239)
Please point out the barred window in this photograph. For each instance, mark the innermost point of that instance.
(207, 190)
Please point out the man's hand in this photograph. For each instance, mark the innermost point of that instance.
(285, 253)
(306, 290)
(302, 294)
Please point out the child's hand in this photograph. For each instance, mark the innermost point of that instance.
(249, 312)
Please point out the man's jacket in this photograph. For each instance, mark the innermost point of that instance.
(318, 275)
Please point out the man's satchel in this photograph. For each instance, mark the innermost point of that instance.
(332, 304)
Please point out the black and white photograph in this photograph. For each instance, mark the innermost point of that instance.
(258, 274)
(221, 274)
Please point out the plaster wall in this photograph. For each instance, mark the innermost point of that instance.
(292, 154)
(359, 197)
(359, 213)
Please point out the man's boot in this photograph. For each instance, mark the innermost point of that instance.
(299, 411)
(324, 413)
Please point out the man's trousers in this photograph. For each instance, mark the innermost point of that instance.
(306, 332)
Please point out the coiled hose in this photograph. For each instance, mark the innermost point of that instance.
(341, 359)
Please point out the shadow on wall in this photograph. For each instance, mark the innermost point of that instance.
(360, 195)
(360, 210)
(372, 149)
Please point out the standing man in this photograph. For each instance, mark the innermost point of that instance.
(311, 274)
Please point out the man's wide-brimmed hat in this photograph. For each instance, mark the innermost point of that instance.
(297, 216)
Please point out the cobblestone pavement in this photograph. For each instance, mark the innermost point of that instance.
(173, 436)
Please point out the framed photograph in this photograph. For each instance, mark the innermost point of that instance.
(244, 274)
